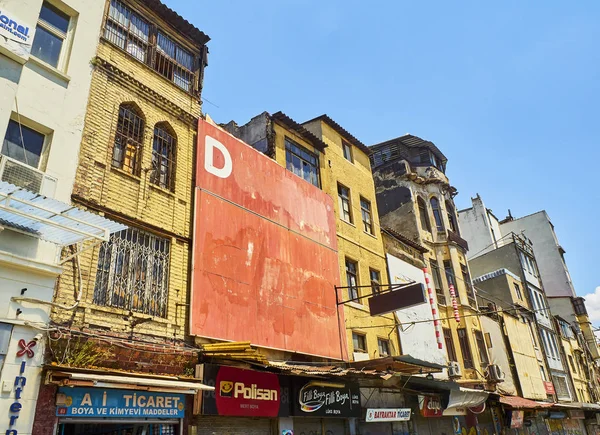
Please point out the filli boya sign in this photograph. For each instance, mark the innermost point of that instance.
(326, 399)
(98, 402)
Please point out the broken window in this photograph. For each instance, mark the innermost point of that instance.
(425, 225)
(451, 217)
(127, 150)
(437, 213)
(352, 279)
(133, 272)
(163, 158)
(302, 162)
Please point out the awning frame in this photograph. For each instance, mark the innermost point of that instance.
(169, 384)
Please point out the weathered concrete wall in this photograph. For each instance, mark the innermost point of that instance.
(498, 354)
(553, 269)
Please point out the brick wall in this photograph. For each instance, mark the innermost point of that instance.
(45, 411)
(118, 78)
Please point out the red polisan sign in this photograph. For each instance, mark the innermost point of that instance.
(247, 393)
(265, 259)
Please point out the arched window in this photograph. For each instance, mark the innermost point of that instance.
(437, 213)
(451, 217)
(425, 225)
(127, 150)
(163, 157)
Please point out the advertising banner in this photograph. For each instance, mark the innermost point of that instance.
(265, 259)
(430, 406)
(16, 34)
(107, 402)
(321, 398)
(245, 393)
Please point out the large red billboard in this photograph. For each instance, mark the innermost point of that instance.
(265, 257)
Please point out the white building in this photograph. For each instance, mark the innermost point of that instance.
(45, 52)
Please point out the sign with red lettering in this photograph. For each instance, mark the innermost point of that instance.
(430, 406)
(244, 393)
(378, 415)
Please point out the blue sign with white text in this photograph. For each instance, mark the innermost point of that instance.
(99, 402)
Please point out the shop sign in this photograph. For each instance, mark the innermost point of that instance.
(549, 386)
(430, 406)
(378, 414)
(516, 419)
(99, 402)
(557, 415)
(244, 393)
(26, 349)
(326, 399)
(577, 414)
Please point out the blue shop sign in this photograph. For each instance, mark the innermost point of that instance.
(98, 402)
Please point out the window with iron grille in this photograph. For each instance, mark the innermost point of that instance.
(352, 279)
(174, 62)
(483, 356)
(437, 282)
(133, 272)
(163, 158)
(365, 209)
(465, 348)
(449, 345)
(345, 206)
(384, 347)
(127, 30)
(127, 150)
(302, 162)
(141, 39)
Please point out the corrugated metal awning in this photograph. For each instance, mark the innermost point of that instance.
(51, 220)
(131, 381)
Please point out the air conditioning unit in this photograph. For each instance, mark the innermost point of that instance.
(495, 373)
(27, 177)
(454, 370)
(360, 356)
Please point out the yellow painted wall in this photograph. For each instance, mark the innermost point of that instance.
(353, 242)
(119, 78)
(525, 359)
(578, 374)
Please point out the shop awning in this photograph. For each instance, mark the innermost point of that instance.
(138, 382)
(51, 220)
(403, 364)
(590, 406)
(466, 398)
(517, 402)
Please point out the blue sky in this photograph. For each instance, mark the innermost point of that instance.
(508, 91)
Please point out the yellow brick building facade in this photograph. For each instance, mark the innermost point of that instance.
(136, 166)
(315, 151)
(360, 245)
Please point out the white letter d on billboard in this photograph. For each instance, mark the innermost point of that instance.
(210, 144)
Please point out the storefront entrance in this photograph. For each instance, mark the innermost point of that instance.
(121, 428)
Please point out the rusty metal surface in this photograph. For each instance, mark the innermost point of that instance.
(265, 254)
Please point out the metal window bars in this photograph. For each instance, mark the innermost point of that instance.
(142, 40)
(133, 272)
(127, 150)
(163, 159)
